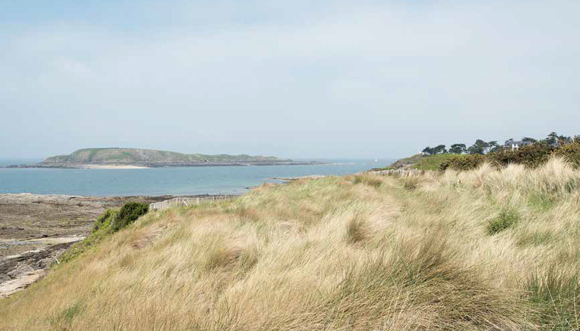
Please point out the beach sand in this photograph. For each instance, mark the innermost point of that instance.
(112, 166)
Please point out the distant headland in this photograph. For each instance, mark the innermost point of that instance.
(131, 158)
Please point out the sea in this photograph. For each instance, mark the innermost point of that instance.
(164, 181)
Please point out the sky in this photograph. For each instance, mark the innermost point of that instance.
(298, 79)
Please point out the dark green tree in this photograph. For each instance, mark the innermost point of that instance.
(492, 146)
(440, 149)
(479, 147)
(427, 150)
(554, 139)
(528, 139)
(458, 149)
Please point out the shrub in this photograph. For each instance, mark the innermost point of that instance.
(129, 213)
(104, 220)
(507, 218)
(463, 162)
(531, 156)
(432, 162)
(570, 152)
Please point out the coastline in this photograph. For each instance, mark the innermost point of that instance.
(155, 165)
(36, 229)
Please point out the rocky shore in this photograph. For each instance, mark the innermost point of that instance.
(36, 229)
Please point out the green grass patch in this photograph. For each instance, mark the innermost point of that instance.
(420, 162)
(535, 238)
(542, 201)
(508, 218)
(432, 162)
(63, 319)
(367, 180)
(556, 296)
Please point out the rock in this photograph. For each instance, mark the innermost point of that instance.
(12, 286)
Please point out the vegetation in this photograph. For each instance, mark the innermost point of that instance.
(108, 223)
(420, 162)
(531, 156)
(458, 149)
(365, 252)
(432, 162)
(507, 219)
(146, 156)
(435, 150)
(482, 147)
(403, 163)
(129, 213)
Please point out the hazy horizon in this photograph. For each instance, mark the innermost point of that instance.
(331, 79)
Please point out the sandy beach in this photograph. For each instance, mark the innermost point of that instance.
(113, 167)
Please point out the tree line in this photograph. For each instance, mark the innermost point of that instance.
(482, 147)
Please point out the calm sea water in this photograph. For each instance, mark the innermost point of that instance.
(161, 181)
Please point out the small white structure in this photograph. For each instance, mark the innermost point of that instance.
(513, 145)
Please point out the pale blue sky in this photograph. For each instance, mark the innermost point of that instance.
(287, 78)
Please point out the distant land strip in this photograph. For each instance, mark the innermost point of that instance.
(134, 158)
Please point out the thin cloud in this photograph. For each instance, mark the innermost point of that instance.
(255, 77)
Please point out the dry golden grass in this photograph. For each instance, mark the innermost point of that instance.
(363, 252)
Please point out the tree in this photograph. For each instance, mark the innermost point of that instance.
(458, 149)
(555, 139)
(552, 138)
(479, 147)
(435, 150)
(427, 150)
(492, 146)
(439, 149)
(528, 139)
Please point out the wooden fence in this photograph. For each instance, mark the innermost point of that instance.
(187, 201)
(400, 172)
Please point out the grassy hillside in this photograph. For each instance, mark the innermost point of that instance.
(480, 250)
(419, 162)
(146, 156)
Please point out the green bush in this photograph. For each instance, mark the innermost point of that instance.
(531, 156)
(570, 152)
(104, 220)
(463, 162)
(129, 213)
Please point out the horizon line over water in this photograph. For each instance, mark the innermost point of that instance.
(164, 181)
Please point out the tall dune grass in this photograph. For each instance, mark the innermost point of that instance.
(364, 252)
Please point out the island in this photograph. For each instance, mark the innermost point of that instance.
(131, 158)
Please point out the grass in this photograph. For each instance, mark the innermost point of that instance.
(432, 162)
(102, 228)
(419, 162)
(363, 252)
(508, 218)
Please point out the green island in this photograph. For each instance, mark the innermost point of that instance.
(135, 157)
